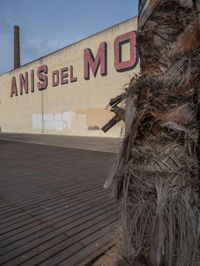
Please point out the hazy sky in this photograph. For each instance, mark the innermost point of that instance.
(47, 25)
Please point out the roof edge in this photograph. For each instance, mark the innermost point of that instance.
(60, 49)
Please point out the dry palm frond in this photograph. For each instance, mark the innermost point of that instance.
(160, 207)
(156, 175)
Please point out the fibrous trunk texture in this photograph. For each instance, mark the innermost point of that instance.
(156, 176)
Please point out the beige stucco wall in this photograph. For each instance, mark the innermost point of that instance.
(77, 108)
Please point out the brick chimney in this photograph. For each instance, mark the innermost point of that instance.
(16, 47)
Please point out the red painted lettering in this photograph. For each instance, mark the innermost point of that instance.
(120, 65)
(13, 87)
(41, 73)
(32, 80)
(94, 63)
(64, 75)
(72, 78)
(55, 78)
(23, 81)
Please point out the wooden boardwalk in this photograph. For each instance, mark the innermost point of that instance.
(53, 208)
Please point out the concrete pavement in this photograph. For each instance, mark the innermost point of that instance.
(111, 145)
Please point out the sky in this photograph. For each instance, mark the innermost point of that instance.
(48, 25)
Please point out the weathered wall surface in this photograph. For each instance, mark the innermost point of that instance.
(60, 94)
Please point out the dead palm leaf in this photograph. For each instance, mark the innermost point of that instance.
(156, 175)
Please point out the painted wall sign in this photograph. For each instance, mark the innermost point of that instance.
(40, 78)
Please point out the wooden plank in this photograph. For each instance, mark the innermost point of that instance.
(53, 208)
(16, 235)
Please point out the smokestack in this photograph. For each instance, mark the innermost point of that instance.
(16, 47)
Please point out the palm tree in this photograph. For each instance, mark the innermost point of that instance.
(156, 175)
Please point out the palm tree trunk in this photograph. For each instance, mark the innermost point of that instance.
(156, 176)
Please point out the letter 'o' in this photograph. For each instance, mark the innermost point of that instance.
(129, 37)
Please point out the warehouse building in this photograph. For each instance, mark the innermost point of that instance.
(67, 91)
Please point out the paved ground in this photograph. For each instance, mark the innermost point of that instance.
(85, 143)
(53, 208)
